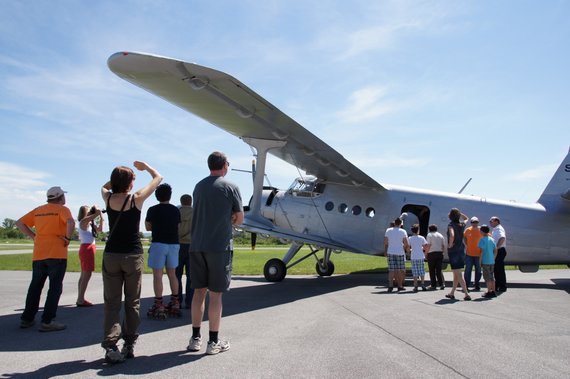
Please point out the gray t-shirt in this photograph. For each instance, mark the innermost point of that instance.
(215, 199)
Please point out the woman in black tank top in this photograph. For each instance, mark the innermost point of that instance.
(456, 251)
(123, 258)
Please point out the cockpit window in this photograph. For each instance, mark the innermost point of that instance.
(307, 187)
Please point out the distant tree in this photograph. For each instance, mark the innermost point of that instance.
(8, 223)
(9, 230)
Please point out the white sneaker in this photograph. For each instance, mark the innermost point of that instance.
(217, 347)
(195, 344)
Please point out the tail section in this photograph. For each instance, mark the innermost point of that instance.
(557, 192)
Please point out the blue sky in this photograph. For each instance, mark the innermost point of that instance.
(418, 93)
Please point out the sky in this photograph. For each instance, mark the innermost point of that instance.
(424, 94)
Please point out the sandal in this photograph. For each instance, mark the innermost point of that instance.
(467, 298)
(450, 296)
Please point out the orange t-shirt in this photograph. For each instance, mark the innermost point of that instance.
(472, 235)
(50, 221)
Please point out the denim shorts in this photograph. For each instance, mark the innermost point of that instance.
(456, 260)
(161, 255)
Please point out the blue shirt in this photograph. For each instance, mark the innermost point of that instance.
(487, 246)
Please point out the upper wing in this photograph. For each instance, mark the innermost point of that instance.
(230, 105)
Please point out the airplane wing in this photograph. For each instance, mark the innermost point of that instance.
(230, 105)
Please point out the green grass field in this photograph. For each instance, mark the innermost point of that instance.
(246, 261)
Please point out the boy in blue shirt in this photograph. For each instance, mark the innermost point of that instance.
(488, 253)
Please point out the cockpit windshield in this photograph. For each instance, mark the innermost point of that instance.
(307, 186)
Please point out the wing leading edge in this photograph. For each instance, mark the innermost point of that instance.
(230, 105)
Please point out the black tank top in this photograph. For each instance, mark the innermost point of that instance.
(458, 245)
(124, 238)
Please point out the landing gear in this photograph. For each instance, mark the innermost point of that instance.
(324, 269)
(275, 270)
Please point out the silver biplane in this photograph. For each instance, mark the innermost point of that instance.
(337, 207)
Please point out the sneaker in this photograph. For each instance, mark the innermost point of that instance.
(217, 347)
(128, 351)
(195, 344)
(467, 298)
(52, 327)
(113, 355)
(84, 304)
(424, 288)
(401, 289)
(442, 287)
(477, 288)
(415, 289)
(390, 289)
(27, 324)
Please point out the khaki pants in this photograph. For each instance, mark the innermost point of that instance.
(121, 270)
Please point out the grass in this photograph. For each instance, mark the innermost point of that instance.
(246, 261)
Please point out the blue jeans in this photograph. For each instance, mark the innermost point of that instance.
(54, 269)
(470, 263)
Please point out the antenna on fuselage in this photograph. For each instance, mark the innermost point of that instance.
(466, 184)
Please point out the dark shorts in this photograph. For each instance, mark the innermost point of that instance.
(456, 260)
(211, 270)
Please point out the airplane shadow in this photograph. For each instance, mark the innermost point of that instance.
(84, 325)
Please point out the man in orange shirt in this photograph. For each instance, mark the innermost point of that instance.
(53, 227)
(472, 235)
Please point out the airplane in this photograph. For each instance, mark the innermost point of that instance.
(336, 207)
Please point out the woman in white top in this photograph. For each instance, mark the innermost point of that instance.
(88, 230)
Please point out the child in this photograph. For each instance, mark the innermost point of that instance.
(417, 244)
(488, 255)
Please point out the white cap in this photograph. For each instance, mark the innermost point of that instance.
(54, 193)
(474, 219)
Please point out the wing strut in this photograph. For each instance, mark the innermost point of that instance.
(262, 146)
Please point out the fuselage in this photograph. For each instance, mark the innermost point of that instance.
(358, 217)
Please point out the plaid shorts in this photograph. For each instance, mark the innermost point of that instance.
(396, 262)
(418, 269)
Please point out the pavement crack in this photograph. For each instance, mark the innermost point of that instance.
(402, 340)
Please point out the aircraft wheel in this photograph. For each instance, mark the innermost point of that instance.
(329, 270)
(274, 270)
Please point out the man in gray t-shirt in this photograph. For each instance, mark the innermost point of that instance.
(217, 206)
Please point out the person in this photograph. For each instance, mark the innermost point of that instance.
(217, 206)
(456, 251)
(184, 238)
(53, 227)
(500, 237)
(88, 230)
(472, 235)
(435, 248)
(163, 220)
(488, 251)
(417, 244)
(395, 247)
(123, 258)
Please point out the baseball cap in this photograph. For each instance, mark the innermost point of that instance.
(474, 219)
(55, 192)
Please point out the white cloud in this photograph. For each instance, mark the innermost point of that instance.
(540, 172)
(21, 189)
(367, 104)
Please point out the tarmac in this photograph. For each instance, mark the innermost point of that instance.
(343, 326)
